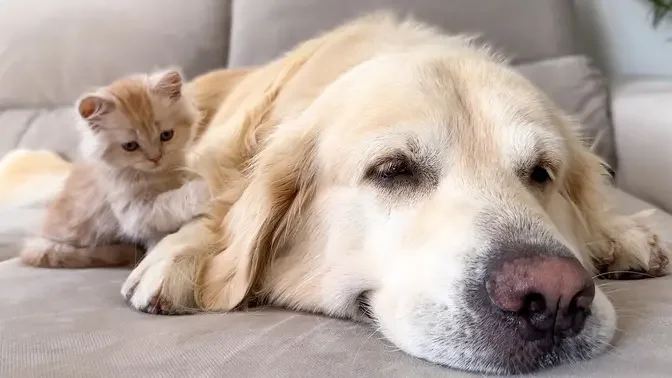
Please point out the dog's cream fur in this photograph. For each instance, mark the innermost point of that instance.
(298, 221)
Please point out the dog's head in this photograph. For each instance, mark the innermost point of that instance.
(437, 194)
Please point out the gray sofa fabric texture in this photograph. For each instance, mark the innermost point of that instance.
(525, 30)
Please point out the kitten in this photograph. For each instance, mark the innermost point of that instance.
(130, 188)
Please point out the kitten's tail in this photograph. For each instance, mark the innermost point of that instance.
(45, 253)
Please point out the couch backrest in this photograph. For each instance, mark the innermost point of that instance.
(525, 30)
(51, 51)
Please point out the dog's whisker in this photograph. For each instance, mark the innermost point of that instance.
(623, 271)
(376, 330)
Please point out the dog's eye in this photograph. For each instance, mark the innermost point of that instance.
(540, 175)
(392, 173)
(389, 170)
(393, 169)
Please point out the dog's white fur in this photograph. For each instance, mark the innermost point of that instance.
(300, 222)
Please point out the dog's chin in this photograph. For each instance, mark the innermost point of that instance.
(457, 337)
(496, 362)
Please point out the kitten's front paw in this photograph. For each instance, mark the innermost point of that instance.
(157, 287)
(636, 251)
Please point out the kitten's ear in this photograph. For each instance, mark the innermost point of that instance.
(94, 105)
(167, 83)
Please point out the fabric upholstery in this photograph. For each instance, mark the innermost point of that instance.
(51, 51)
(643, 130)
(39, 128)
(74, 323)
(525, 30)
(577, 87)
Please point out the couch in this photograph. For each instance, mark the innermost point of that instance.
(71, 323)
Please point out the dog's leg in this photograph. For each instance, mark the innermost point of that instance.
(627, 247)
(163, 283)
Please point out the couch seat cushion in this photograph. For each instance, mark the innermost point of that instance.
(71, 323)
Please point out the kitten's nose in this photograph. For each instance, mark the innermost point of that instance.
(155, 157)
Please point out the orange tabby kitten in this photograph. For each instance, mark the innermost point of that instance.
(129, 191)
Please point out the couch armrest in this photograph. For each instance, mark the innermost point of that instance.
(642, 118)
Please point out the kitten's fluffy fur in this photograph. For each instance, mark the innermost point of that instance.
(130, 190)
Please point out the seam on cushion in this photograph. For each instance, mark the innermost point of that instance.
(29, 124)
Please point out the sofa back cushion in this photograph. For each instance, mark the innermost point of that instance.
(52, 51)
(524, 30)
(577, 87)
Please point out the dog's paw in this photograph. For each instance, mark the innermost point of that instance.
(150, 288)
(635, 251)
(659, 258)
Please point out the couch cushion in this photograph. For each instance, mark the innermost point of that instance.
(576, 86)
(51, 51)
(37, 128)
(525, 30)
(642, 118)
(70, 323)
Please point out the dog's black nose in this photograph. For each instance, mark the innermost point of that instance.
(550, 294)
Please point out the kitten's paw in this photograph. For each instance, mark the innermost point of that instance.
(155, 288)
(635, 251)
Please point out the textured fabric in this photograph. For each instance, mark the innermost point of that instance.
(49, 129)
(525, 30)
(642, 116)
(577, 87)
(74, 323)
(51, 51)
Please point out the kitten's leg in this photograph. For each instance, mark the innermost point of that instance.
(627, 247)
(167, 213)
(41, 252)
(163, 282)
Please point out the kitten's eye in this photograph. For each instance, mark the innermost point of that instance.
(130, 146)
(166, 135)
(540, 175)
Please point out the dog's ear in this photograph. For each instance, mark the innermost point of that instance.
(587, 189)
(282, 183)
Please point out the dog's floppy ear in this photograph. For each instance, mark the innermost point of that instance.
(586, 189)
(282, 183)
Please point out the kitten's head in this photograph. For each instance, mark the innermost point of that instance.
(141, 122)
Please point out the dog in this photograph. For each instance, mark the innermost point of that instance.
(386, 172)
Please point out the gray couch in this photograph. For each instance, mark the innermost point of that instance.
(75, 323)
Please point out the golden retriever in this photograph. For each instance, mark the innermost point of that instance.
(388, 172)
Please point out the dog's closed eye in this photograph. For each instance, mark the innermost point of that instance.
(393, 172)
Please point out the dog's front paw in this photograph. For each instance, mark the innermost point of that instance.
(659, 259)
(635, 250)
(155, 287)
(198, 194)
